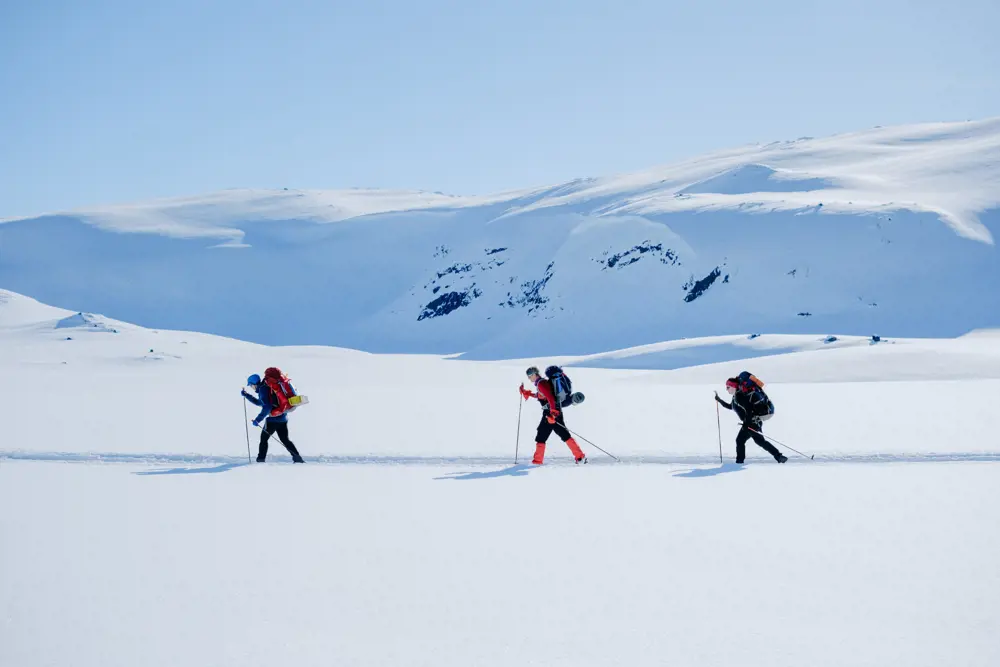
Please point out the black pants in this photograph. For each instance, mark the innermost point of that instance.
(545, 428)
(746, 434)
(281, 428)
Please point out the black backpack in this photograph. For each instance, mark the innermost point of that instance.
(750, 384)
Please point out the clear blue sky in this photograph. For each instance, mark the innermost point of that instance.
(110, 101)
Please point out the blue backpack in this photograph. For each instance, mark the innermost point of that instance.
(562, 386)
(749, 381)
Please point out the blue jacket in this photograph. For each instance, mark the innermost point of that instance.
(264, 401)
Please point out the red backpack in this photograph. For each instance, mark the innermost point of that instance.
(281, 390)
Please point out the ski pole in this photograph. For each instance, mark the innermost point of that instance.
(718, 424)
(517, 442)
(811, 457)
(246, 425)
(593, 445)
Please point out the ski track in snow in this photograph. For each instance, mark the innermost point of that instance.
(483, 461)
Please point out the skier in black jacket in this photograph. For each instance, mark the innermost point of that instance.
(752, 406)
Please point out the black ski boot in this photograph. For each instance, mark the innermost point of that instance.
(296, 458)
(780, 458)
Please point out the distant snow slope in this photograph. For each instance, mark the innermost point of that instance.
(174, 393)
(888, 231)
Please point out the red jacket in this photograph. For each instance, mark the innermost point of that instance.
(546, 396)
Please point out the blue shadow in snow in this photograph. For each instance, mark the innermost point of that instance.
(519, 470)
(192, 471)
(711, 472)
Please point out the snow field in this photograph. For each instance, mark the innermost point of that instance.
(829, 564)
(372, 405)
(409, 538)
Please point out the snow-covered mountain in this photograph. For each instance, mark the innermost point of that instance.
(888, 231)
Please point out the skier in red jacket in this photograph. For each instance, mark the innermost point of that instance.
(552, 418)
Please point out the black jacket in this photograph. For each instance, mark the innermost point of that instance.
(749, 406)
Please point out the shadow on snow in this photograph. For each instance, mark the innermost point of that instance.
(192, 471)
(519, 470)
(711, 472)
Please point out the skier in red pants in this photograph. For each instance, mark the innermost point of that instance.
(552, 418)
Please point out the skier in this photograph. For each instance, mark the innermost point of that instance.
(753, 407)
(274, 423)
(552, 418)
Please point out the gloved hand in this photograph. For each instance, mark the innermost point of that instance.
(550, 418)
(244, 394)
(256, 422)
(525, 394)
